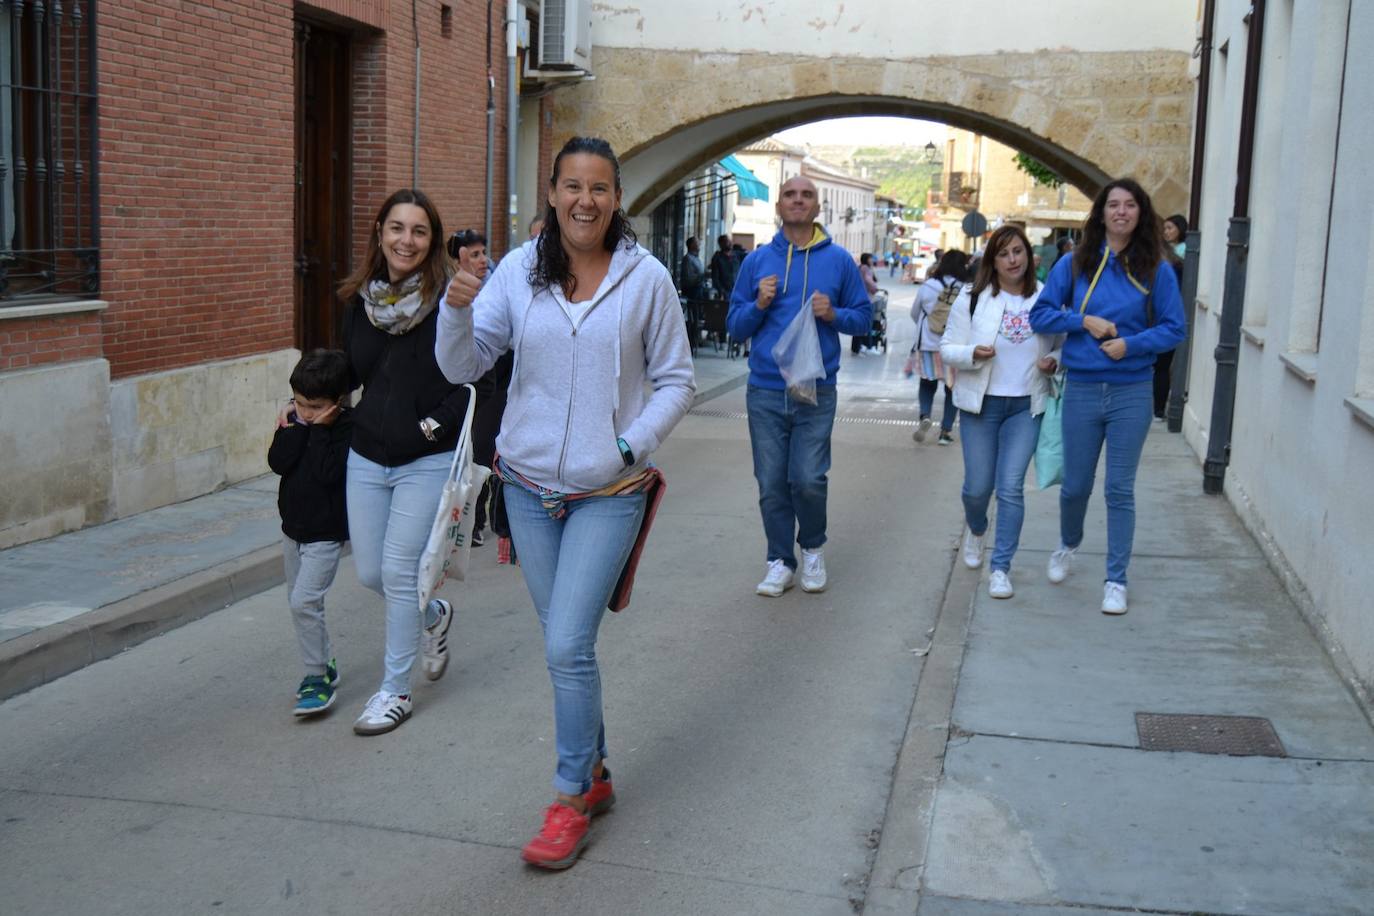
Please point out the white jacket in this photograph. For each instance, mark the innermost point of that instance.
(956, 349)
(579, 382)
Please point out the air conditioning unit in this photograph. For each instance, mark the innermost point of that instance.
(565, 35)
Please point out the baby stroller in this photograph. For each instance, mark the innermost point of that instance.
(878, 336)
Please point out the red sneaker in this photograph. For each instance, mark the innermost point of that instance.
(560, 842)
(600, 797)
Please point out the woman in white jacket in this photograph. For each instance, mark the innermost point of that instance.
(1002, 384)
(602, 373)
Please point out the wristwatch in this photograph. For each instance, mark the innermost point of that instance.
(625, 453)
(430, 427)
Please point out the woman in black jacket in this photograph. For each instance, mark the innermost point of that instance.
(405, 430)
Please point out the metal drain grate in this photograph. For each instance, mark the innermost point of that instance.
(741, 415)
(1236, 736)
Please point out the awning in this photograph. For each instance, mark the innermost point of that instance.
(749, 185)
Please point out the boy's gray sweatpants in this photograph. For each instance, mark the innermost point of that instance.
(310, 570)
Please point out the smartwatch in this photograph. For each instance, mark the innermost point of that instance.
(625, 453)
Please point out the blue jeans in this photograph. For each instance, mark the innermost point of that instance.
(791, 445)
(998, 445)
(1119, 415)
(390, 511)
(571, 564)
(926, 398)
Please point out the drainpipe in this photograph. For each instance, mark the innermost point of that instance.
(513, 118)
(1178, 375)
(415, 138)
(491, 130)
(1237, 255)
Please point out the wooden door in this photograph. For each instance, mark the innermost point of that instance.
(324, 202)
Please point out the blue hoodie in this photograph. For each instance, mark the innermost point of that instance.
(1121, 299)
(821, 266)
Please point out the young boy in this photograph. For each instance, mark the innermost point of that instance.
(310, 453)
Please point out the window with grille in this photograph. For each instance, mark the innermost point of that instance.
(50, 242)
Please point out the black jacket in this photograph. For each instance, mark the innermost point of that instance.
(402, 384)
(311, 461)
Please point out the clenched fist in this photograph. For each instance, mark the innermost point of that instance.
(768, 288)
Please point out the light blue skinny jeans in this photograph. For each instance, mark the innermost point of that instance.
(791, 445)
(998, 445)
(570, 565)
(390, 512)
(1119, 416)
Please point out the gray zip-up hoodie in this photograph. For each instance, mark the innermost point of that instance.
(579, 383)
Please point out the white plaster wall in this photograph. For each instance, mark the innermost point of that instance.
(1300, 471)
(54, 449)
(187, 432)
(895, 28)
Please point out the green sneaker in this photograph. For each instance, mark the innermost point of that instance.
(331, 673)
(316, 693)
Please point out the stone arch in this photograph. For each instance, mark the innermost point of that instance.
(1089, 115)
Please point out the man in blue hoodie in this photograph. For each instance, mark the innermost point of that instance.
(800, 267)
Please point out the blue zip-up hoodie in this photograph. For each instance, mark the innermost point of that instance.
(1120, 298)
(820, 266)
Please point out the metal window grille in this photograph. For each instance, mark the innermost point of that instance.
(50, 241)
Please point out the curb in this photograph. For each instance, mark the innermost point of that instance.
(44, 655)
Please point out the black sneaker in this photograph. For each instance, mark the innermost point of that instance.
(477, 539)
(945, 438)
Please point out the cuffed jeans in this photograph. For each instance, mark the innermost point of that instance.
(998, 445)
(571, 564)
(390, 512)
(1119, 415)
(310, 569)
(926, 399)
(791, 445)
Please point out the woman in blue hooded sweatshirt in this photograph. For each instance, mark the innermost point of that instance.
(1117, 299)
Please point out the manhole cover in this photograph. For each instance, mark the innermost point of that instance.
(1236, 736)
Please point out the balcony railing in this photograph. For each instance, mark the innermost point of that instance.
(963, 189)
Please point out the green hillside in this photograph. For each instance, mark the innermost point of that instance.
(901, 171)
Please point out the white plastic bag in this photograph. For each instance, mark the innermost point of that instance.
(798, 355)
(449, 546)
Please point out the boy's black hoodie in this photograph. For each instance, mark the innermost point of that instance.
(311, 461)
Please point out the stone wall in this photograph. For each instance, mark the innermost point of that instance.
(1089, 115)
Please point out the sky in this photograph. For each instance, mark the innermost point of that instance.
(868, 132)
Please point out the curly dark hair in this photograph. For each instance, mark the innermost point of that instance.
(1146, 248)
(551, 266)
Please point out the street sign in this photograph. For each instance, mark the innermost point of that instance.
(975, 224)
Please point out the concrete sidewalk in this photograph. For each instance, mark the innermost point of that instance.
(79, 597)
(1048, 804)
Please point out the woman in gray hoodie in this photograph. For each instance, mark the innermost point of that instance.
(594, 322)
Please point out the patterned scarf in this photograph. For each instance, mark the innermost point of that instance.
(396, 309)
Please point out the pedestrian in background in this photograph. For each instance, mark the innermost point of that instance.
(692, 273)
(1117, 299)
(594, 323)
(1175, 230)
(310, 454)
(469, 249)
(405, 430)
(950, 271)
(1001, 387)
(723, 268)
(800, 268)
(864, 342)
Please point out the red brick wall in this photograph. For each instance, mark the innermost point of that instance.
(197, 137)
(29, 342)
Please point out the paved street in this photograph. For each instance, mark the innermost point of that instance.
(770, 756)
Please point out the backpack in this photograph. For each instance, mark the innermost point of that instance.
(939, 315)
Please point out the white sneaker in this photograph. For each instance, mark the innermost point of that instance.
(922, 428)
(813, 570)
(1114, 598)
(434, 641)
(778, 580)
(1060, 561)
(384, 712)
(999, 585)
(973, 549)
